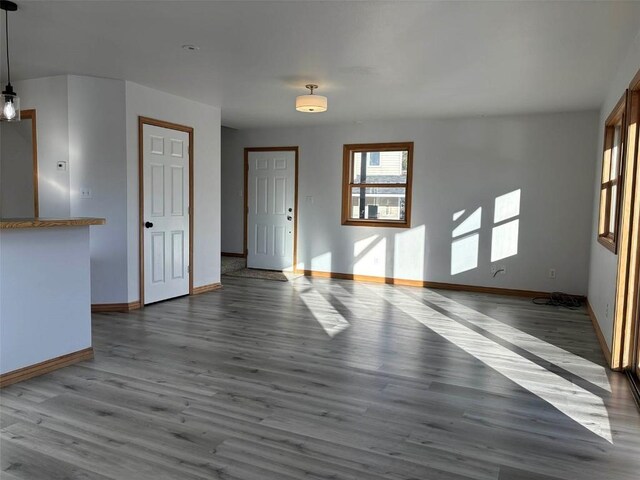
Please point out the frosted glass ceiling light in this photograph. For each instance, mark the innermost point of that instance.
(311, 103)
(10, 101)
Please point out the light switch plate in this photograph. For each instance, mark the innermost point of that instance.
(86, 193)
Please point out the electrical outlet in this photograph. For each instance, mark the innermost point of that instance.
(552, 273)
(86, 193)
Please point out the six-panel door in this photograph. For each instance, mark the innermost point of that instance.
(166, 213)
(270, 225)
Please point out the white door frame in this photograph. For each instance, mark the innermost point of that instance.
(295, 196)
(181, 128)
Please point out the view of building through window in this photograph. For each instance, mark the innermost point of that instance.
(379, 203)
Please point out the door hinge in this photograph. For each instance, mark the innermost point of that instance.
(189, 269)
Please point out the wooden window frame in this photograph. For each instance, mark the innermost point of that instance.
(347, 184)
(627, 302)
(607, 238)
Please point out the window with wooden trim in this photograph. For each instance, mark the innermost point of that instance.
(612, 167)
(625, 346)
(376, 184)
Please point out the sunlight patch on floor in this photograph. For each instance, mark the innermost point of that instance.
(325, 314)
(581, 367)
(575, 402)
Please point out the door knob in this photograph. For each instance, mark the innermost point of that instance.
(148, 224)
(289, 217)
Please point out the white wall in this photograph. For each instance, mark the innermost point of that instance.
(44, 311)
(459, 164)
(16, 169)
(49, 98)
(147, 102)
(97, 161)
(603, 267)
(92, 124)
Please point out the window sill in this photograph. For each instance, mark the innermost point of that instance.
(376, 223)
(609, 244)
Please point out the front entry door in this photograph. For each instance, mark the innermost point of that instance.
(166, 213)
(271, 203)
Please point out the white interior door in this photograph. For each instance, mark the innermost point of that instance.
(166, 213)
(271, 200)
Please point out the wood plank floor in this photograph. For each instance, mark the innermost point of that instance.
(328, 379)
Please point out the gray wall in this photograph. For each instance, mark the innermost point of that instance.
(92, 124)
(459, 164)
(232, 196)
(16, 169)
(603, 263)
(97, 161)
(205, 120)
(48, 96)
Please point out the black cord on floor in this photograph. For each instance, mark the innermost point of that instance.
(559, 299)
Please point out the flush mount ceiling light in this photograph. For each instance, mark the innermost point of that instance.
(311, 103)
(10, 101)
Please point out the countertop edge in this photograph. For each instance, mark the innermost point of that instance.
(18, 223)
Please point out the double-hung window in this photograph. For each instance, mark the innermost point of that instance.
(612, 167)
(376, 186)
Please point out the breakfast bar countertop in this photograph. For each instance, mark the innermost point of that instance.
(39, 222)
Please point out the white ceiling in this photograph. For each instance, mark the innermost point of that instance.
(371, 59)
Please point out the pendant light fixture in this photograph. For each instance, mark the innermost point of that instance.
(311, 103)
(10, 101)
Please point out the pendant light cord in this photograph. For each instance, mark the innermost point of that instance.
(6, 31)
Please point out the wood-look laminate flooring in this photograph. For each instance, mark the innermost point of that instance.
(328, 379)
